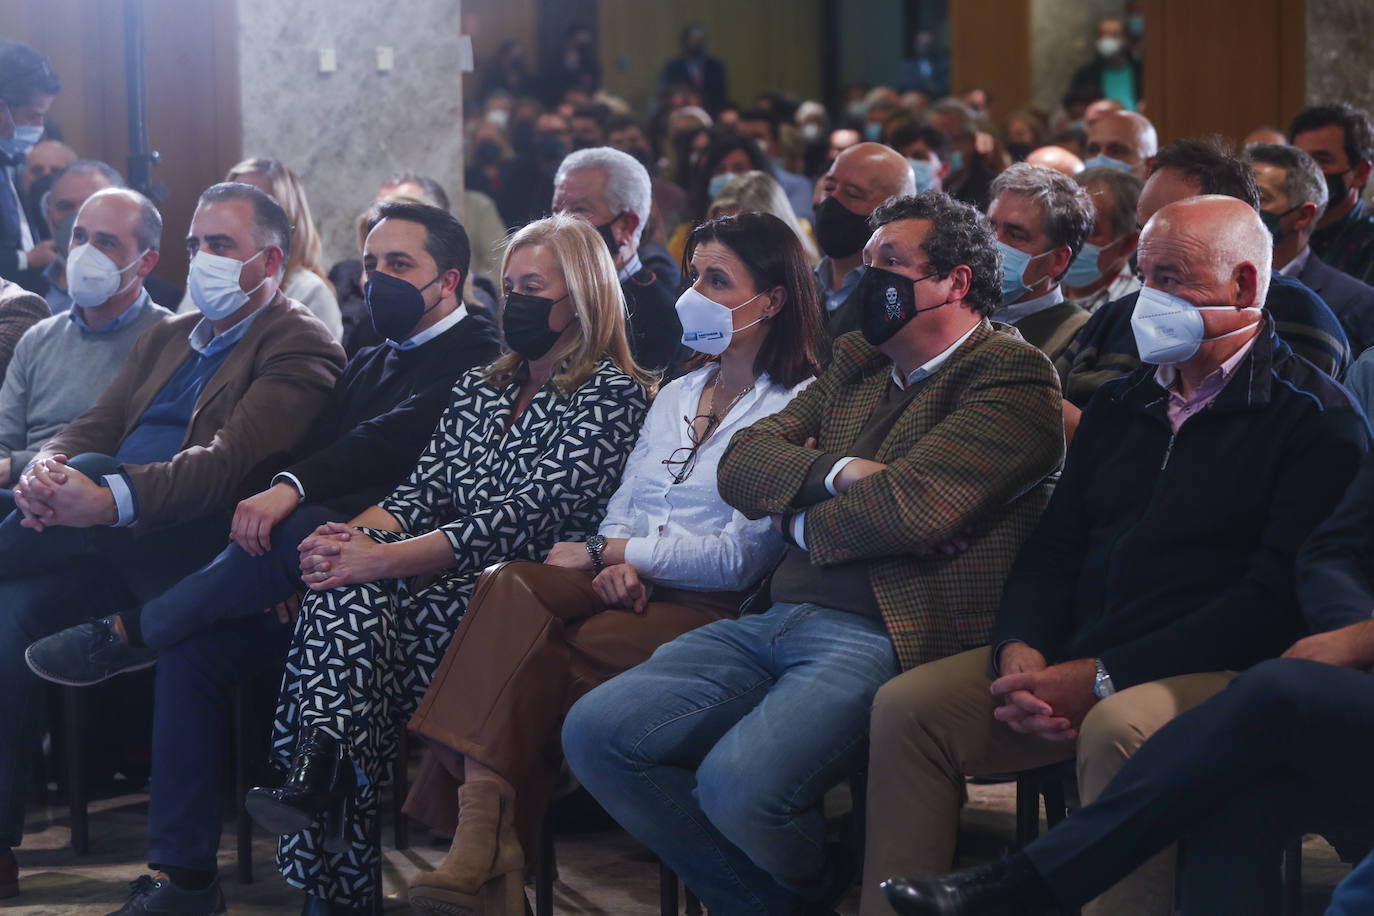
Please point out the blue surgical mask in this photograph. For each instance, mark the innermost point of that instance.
(924, 173)
(25, 136)
(1014, 264)
(956, 162)
(718, 184)
(873, 130)
(1101, 159)
(1083, 270)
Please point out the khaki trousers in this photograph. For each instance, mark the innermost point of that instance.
(933, 727)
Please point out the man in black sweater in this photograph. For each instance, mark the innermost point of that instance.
(1285, 750)
(1105, 347)
(210, 630)
(1162, 565)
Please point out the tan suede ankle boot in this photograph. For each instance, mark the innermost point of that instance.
(483, 873)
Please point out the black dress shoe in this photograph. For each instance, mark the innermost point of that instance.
(321, 782)
(1010, 887)
(314, 906)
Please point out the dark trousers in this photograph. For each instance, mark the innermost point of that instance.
(212, 633)
(56, 578)
(1286, 748)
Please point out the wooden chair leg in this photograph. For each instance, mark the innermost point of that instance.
(400, 788)
(243, 823)
(76, 768)
(667, 890)
(544, 867)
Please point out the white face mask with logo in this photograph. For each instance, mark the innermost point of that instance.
(707, 326)
(213, 282)
(93, 279)
(1168, 329)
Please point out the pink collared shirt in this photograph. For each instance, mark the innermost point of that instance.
(1181, 408)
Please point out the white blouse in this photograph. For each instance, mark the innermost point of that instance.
(684, 535)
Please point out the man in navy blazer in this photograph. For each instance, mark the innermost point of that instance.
(1293, 197)
(697, 69)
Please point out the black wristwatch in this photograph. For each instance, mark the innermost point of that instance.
(595, 544)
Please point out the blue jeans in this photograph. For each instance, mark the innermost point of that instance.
(716, 752)
(53, 579)
(233, 584)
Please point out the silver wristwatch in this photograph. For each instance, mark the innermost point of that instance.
(1102, 687)
(595, 544)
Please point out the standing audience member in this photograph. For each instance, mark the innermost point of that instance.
(669, 556)
(64, 362)
(929, 425)
(1292, 199)
(134, 493)
(1123, 140)
(696, 69)
(611, 191)
(860, 180)
(1131, 604)
(1103, 270)
(209, 631)
(1040, 219)
(1283, 751)
(525, 456)
(27, 88)
(1113, 73)
(1106, 348)
(1341, 139)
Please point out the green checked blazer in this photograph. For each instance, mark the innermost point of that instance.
(972, 453)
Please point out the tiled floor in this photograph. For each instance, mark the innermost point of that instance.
(601, 872)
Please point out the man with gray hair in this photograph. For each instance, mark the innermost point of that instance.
(1041, 219)
(64, 362)
(137, 491)
(1102, 270)
(1163, 564)
(612, 191)
(71, 187)
(1293, 197)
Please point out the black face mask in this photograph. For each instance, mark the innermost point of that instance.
(550, 148)
(643, 155)
(887, 303)
(604, 230)
(396, 306)
(525, 324)
(840, 231)
(488, 152)
(1018, 151)
(1335, 188)
(1272, 222)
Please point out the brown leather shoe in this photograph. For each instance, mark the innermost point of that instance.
(9, 874)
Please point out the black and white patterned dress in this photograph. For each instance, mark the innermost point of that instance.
(363, 654)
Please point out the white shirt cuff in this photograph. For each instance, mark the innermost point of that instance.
(292, 479)
(799, 529)
(835, 472)
(124, 499)
(639, 553)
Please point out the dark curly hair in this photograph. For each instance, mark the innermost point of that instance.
(1211, 163)
(959, 234)
(1356, 130)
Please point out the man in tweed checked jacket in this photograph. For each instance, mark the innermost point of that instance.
(931, 427)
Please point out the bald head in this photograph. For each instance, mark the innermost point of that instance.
(1213, 249)
(866, 174)
(1126, 137)
(1057, 158)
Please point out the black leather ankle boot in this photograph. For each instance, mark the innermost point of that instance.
(321, 777)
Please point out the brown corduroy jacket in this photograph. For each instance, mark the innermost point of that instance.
(253, 412)
(972, 453)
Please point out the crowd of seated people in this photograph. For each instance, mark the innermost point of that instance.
(712, 459)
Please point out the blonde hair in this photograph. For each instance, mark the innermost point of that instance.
(759, 192)
(593, 290)
(287, 190)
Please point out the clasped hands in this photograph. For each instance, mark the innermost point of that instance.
(617, 586)
(1041, 699)
(336, 554)
(48, 495)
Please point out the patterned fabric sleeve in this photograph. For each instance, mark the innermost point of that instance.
(425, 496)
(579, 468)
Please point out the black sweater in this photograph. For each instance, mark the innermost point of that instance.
(1167, 554)
(381, 413)
(1336, 566)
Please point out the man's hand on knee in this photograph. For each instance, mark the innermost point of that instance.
(1050, 702)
